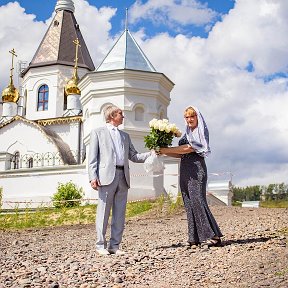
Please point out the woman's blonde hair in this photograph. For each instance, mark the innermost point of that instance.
(191, 110)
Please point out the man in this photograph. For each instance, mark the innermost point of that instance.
(108, 168)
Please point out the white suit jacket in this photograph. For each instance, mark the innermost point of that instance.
(102, 156)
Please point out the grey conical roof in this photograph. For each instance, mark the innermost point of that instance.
(126, 54)
(57, 46)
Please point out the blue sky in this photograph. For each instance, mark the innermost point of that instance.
(228, 58)
(43, 10)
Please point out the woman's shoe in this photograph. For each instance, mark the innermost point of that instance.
(213, 242)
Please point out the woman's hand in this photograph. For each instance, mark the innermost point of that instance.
(176, 151)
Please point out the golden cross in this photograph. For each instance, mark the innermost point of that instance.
(77, 44)
(13, 52)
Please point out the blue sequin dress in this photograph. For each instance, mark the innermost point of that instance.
(193, 180)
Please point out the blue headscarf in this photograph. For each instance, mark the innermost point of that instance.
(199, 137)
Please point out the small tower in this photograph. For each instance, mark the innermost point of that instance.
(10, 95)
(45, 78)
(72, 91)
(127, 79)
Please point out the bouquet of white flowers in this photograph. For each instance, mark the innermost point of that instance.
(161, 135)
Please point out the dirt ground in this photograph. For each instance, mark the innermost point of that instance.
(254, 254)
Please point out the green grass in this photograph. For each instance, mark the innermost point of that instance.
(282, 273)
(274, 204)
(47, 217)
(137, 208)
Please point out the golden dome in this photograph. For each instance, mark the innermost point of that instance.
(10, 94)
(72, 87)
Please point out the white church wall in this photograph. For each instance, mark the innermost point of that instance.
(9, 109)
(143, 185)
(56, 77)
(5, 162)
(69, 132)
(171, 176)
(35, 187)
(24, 137)
(32, 84)
(222, 190)
(145, 93)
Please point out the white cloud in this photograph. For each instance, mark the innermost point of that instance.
(252, 32)
(172, 13)
(246, 115)
(15, 28)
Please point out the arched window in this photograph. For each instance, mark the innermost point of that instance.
(43, 95)
(139, 114)
(30, 162)
(16, 160)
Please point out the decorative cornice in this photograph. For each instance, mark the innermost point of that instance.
(60, 120)
(44, 122)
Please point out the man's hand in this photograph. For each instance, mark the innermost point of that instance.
(95, 184)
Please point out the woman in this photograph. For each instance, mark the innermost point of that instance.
(193, 148)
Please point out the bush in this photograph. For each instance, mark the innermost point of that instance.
(65, 193)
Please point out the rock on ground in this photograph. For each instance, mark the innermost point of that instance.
(254, 254)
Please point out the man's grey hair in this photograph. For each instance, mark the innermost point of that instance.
(109, 112)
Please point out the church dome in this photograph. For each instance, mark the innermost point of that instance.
(66, 5)
(10, 94)
(71, 87)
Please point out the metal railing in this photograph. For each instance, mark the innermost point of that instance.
(47, 159)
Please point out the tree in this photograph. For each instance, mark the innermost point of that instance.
(256, 193)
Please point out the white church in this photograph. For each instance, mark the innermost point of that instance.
(45, 123)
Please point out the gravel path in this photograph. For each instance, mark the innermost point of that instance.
(254, 254)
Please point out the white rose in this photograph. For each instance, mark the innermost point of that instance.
(168, 128)
(161, 126)
(152, 123)
(173, 128)
(165, 121)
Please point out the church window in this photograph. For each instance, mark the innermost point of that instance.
(43, 94)
(139, 114)
(16, 160)
(30, 162)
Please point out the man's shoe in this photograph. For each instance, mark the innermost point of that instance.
(116, 251)
(102, 252)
